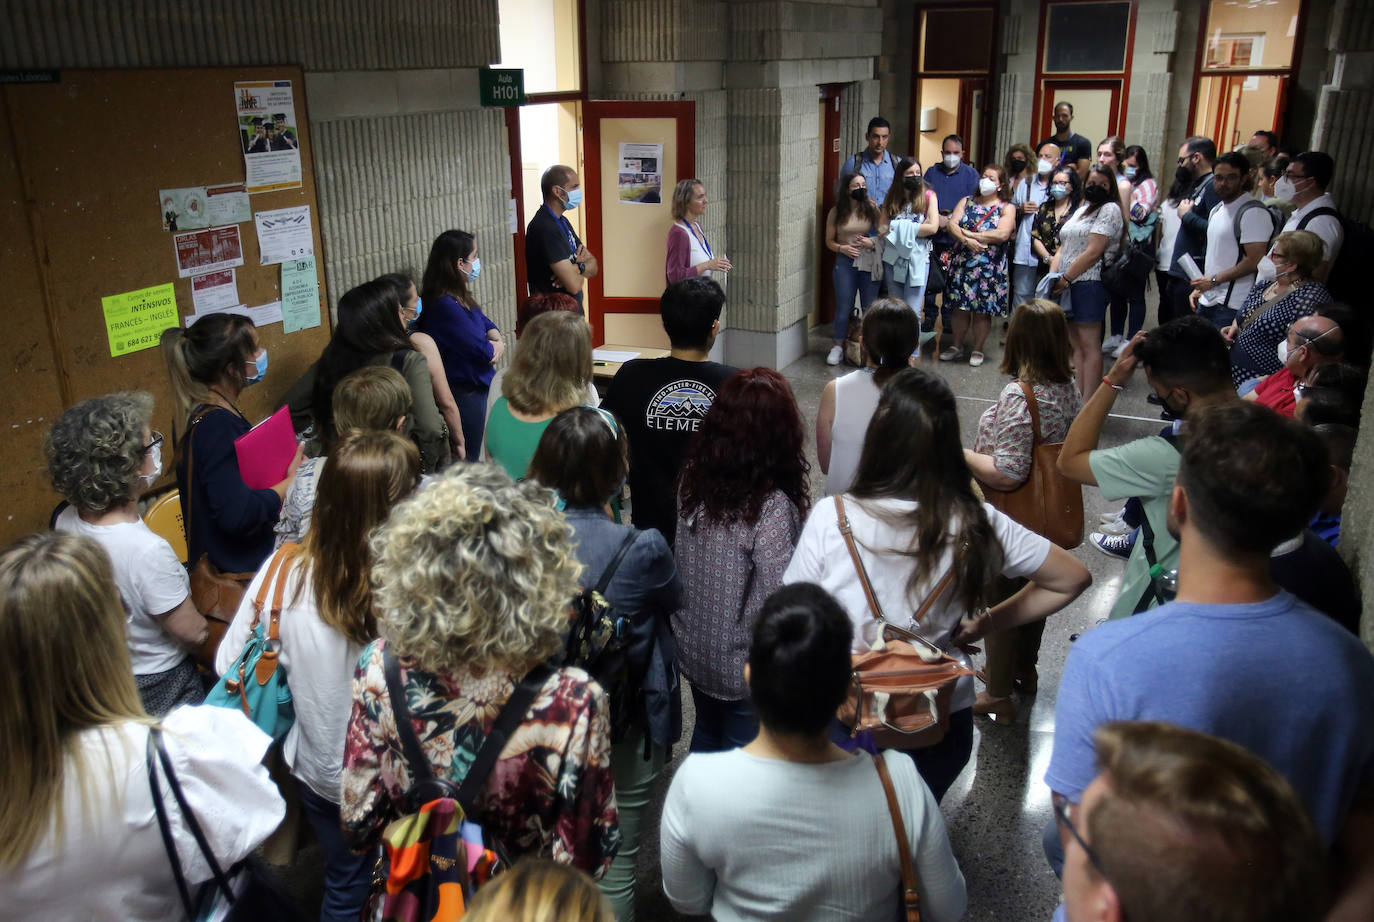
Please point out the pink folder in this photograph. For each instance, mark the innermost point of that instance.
(266, 450)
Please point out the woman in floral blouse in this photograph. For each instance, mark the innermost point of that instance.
(1066, 191)
(472, 579)
(741, 501)
(1037, 354)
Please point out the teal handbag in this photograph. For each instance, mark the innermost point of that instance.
(256, 682)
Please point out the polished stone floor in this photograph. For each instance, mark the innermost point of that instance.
(999, 806)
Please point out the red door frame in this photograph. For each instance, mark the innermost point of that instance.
(1121, 96)
(830, 178)
(684, 112)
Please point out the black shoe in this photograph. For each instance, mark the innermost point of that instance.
(1153, 398)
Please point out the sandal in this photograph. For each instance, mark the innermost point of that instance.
(976, 359)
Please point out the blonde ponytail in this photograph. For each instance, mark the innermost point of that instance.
(189, 392)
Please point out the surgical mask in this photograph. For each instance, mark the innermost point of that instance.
(573, 200)
(859, 195)
(260, 364)
(987, 186)
(911, 183)
(952, 161)
(1131, 172)
(472, 276)
(1283, 351)
(1097, 195)
(419, 309)
(1285, 189)
(155, 451)
(1017, 167)
(1043, 166)
(1059, 190)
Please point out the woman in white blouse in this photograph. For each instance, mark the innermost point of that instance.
(689, 252)
(915, 518)
(326, 620)
(81, 836)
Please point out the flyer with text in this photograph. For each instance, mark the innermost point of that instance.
(269, 135)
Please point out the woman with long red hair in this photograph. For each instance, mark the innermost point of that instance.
(742, 497)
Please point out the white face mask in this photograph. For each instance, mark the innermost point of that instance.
(952, 161)
(987, 186)
(1285, 189)
(155, 451)
(1043, 166)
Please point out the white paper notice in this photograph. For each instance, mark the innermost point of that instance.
(641, 174)
(284, 235)
(270, 135)
(214, 291)
(1189, 266)
(261, 315)
(228, 204)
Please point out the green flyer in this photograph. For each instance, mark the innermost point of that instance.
(135, 320)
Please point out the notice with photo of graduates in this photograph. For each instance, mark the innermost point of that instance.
(268, 134)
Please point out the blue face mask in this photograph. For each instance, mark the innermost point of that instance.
(574, 199)
(260, 366)
(1059, 191)
(476, 271)
(419, 308)
(1131, 172)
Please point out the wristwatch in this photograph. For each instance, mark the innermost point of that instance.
(1213, 281)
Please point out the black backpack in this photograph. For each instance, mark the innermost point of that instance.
(1357, 251)
(599, 642)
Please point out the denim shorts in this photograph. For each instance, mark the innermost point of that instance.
(1089, 301)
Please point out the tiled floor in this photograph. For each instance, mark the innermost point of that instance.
(999, 806)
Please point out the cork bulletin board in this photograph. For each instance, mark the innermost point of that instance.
(83, 161)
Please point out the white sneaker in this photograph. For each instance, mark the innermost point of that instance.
(1112, 343)
(1116, 527)
(836, 353)
(1108, 517)
(1116, 353)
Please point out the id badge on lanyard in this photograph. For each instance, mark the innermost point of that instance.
(706, 247)
(567, 232)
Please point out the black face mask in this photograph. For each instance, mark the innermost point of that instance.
(1017, 167)
(1184, 175)
(859, 195)
(911, 183)
(1097, 195)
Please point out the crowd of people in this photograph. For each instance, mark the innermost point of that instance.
(1213, 750)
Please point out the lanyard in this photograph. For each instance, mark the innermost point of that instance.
(701, 239)
(567, 231)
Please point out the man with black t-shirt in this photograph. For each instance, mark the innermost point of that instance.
(661, 402)
(1074, 149)
(555, 259)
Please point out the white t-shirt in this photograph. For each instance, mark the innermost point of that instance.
(735, 845)
(151, 581)
(1169, 224)
(1327, 227)
(1222, 252)
(109, 862)
(319, 664)
(856, 400)
(821, 557)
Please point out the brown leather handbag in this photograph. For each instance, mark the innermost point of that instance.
(901, 690)
(215, 593)
(1048, 503)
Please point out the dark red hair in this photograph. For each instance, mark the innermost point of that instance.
(542, 303)
(749, 445)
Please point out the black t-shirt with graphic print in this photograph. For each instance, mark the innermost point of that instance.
(661, 402)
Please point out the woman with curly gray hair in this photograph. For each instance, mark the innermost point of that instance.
(101, 457)
(471, 582)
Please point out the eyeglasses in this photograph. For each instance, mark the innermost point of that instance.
(1062, 808)
(155, 441)
(1289, 174)
(1183, 160)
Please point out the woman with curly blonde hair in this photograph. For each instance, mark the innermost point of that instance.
(102, 456)
(471, 582)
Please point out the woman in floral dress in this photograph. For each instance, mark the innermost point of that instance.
(977, 290)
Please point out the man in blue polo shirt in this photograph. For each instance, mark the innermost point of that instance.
(952, 180)
(1234, 655)
(876, 163)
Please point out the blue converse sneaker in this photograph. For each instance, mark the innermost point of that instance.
(1113, 545)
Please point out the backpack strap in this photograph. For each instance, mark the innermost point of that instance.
(510, 717)
(1323, 212)
(606, 574)
(1154, 590)
(156, 746)
(398, 358)
(1245, 206)
(869, 594)
(911, 899)
(189, 506)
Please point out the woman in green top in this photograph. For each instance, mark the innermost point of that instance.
(549, 373)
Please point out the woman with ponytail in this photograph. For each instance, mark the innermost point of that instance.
(915, 519)
(891, 331)
(210, 363)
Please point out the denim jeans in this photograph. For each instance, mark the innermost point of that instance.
(721, 724)
(347, 877)
(849, 282)
(914, 296)
(1023, 281)
(940, 764)
(635, 777)
(472, 411)
(1219, 316)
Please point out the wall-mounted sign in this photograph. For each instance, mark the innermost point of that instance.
(502, 87)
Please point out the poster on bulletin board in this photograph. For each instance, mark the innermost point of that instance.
(134, 321)
(269, 134)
